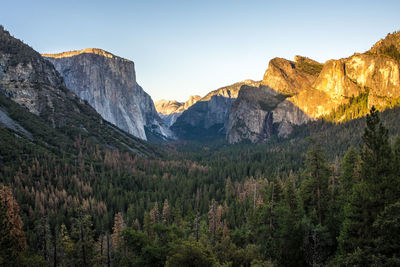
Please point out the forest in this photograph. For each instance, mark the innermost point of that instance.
(328, 196)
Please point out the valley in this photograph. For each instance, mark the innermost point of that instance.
(300, 168)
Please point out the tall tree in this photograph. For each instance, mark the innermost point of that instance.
(166, 212)
(12, 236)
(315, 192)
(119, 226)
(379, 187)
(350, 173)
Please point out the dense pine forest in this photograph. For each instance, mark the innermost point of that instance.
(75, 190)
(329, 195)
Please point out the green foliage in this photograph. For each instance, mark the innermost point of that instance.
(192, 254)
(392, 52)
(374, 194)
(350, 172)
(356, 108)
(270, 210)
(309, 67)
(315, 187)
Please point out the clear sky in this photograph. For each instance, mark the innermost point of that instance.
(187, 47)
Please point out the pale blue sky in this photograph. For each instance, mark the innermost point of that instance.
(186, 47)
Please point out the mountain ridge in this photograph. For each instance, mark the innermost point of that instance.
(318, 90)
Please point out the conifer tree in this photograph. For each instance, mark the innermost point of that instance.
(119, 226)
(12, 236)
(315, 192)
(378, 189)
(350, 173)
(166, 212)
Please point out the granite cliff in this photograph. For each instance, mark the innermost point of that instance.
(347, 88)
(108, 84)
(260, 112)
(209, 116)
(36, 104)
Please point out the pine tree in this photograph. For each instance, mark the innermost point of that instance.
(214, 219)
(82, 234)
(12, 236)
(378, 188)
(350, 173)
(377, 164)
(166, 212)
(315, 192)
(155, 214)
(119, 226)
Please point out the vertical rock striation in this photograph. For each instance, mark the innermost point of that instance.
(108, 84)
(312, 90)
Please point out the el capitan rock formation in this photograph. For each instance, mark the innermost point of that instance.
(108, 84)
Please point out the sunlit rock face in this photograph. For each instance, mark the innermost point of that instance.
(312, 90)
(170, 110)
(108, 83)
(290, 77)
(340, 80)
(209, 116)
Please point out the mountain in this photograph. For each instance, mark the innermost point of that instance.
(290, 77)
(209, 116)
(261, 112)
(48, 113)
(108, 84)
(170, 110)
(338, 90)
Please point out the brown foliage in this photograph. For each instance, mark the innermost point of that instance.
(11, 222)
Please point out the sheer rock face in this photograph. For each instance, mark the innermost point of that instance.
(314, 90)
(210, 113)
(204, 116)
(170, 110)
(290, 77)
(260, 112)
(257, 108)
(108, 84)
(339, 80)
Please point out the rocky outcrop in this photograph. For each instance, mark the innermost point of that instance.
(290, 77)
(35, 103)
(31, 81)
(314, 90)
(204, 118)
(340, 80)
(230, 91)
(260, 112)
(108, 84)
(6, 121)
(170, 110)
(209, 116)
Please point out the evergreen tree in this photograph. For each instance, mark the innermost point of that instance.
(118, 227)
(377, 189)
(315, 192)
(12, 236)
(350, 173)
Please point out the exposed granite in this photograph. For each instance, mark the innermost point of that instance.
(108, 84)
